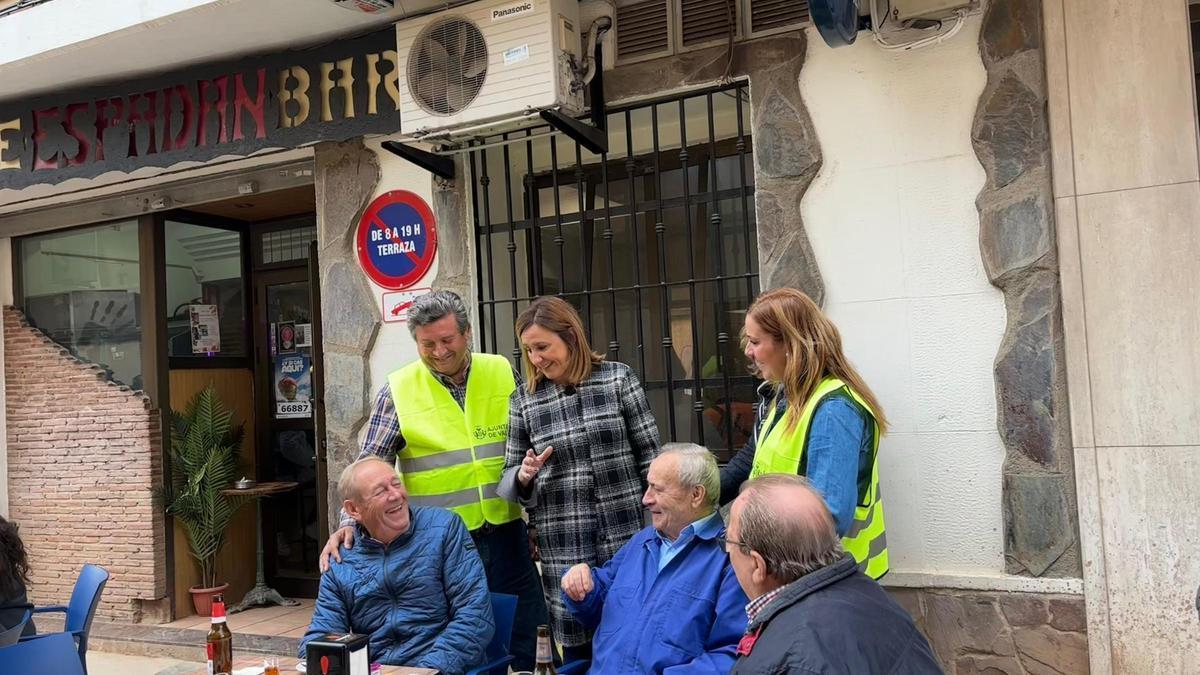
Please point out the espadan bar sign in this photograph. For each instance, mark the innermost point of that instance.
(335, 92)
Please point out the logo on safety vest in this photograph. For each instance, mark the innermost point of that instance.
(485, 432)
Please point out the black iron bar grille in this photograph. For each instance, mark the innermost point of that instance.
(654, 242)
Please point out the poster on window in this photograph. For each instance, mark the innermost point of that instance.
(206, 329)
(304, 335)
(286, 338)
(293, 387)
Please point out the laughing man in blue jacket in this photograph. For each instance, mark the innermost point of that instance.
(668, 601)
(414, 584)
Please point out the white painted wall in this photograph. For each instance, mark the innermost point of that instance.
(62, 23)
(394, 346)
(893, 222)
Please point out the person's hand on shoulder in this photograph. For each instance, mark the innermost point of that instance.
(343, 537)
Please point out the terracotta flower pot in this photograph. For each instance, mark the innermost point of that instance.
(202, 598)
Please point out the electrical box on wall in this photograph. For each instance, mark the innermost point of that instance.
(905, 10)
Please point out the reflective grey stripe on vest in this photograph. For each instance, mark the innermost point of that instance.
(857, 525)
(450, 500)
(442, 460)
(490, 450)
(878, 546)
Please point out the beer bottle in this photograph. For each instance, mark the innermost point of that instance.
(544, 659)
(219, 641)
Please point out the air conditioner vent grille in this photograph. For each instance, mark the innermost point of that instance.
(707, 20)
(447, 66)
(642, 28)
(768, 14)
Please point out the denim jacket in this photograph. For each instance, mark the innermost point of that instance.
(838, 459)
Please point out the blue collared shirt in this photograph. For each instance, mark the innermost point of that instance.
(686, 618)
(707, 527)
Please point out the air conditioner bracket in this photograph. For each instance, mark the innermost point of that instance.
(592, 136)
(439, 165)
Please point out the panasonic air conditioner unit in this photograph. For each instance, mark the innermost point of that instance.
(488, 65)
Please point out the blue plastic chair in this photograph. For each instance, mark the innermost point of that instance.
(79, 611)
(504, 610)
(12, 635)
(53, 653)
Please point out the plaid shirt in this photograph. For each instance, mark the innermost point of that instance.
(587, 501)
(757, 605)
(384, 438)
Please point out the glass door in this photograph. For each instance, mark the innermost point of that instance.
(288, 352)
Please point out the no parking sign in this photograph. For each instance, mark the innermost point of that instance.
(397, 239)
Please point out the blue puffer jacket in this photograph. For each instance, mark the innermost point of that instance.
(422, 599)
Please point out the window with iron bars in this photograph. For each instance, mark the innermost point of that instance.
(654, 243)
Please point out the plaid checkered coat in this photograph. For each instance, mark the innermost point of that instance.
(587, 498)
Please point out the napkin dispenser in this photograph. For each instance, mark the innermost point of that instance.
(335, 654)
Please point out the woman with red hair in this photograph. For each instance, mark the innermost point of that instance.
(816, 417)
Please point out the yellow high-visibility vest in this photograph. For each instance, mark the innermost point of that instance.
(452, 455)
(781, 452)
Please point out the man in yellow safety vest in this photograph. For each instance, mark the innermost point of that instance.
(444, 421)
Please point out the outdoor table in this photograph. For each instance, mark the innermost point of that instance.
(261, 595)
(287, 666)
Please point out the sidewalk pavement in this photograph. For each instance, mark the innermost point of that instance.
(104, 663)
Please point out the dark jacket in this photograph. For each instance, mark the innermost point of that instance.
(13, 608)
(835, 620)
(422, 599)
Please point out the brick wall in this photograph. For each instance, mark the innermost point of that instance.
(84, 461)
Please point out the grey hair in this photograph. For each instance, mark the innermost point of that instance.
(433, 306)
(345, 484)
(697, 466)
(791, 546)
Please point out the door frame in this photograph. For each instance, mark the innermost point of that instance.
(318, 384)
(261, 279)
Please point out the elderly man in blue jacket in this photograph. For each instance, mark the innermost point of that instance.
(668, 601)
(414, 584)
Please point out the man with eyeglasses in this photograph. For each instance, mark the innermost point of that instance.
(668, 601)
(812, 611)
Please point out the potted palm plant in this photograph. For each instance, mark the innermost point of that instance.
(204, 450)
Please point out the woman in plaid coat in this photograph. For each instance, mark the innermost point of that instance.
(580, 440)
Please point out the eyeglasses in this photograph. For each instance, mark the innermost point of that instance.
(725, 542)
